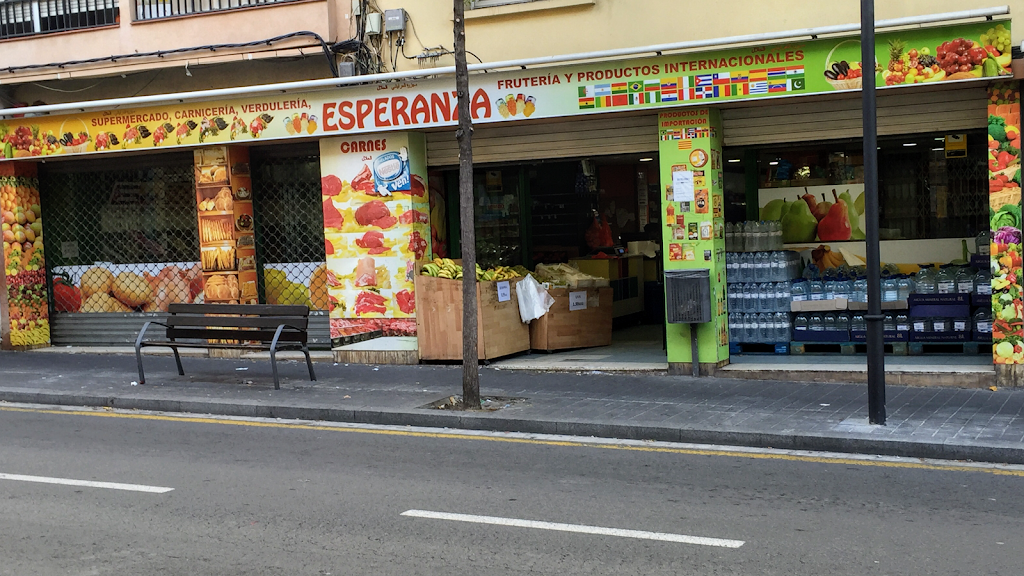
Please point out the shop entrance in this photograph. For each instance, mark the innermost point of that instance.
(596, 215)
(801, 206)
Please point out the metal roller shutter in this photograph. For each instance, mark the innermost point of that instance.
(577, 138)
(905, 112)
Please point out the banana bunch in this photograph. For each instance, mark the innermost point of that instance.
(824, 258)
(499, 273)
(443, 268)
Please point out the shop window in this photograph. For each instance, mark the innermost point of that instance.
(923, 191)
(290, 246)
(121, 233)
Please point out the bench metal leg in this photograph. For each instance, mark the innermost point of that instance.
(309, 363)
(273, 356)
(177, 360)
(138, 352)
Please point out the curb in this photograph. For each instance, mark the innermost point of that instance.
(442, 419)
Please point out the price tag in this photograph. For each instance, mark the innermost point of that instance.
(504, 291)
(577, 301)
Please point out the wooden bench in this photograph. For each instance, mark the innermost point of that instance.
(246, 326)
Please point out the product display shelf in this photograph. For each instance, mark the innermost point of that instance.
(562, 328)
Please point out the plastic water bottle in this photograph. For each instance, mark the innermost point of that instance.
(735, 322)
(982, 321)
(816, 290)
(964, 280)
(777, 241)
(782, 297)
(829, 321)
(941, 324)
(749, 327)
(890, 290)
(733, 298)
(766, 297)
(798, 290)
(800, 325)
(746, 267)
(761, 235)
(765, 328)
(860, 290)
(816, 323)
(983, 283)
(748, 237)
(924, 282)
(762, 267)
(921, 325)
(830, 290)
(843, 322)
(904, 287)
(889, 324)
(858, 323)
(843, 289)
(730, 241)
(902, 322)
(945, 281)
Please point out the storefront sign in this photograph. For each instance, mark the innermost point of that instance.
(755, 72)
(376, 228)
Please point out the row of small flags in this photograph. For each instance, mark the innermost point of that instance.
(701, 87)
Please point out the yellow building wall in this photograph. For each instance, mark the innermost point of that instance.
(549, 27)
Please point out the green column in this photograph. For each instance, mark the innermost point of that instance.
(693, 230)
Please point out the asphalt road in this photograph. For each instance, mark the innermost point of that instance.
(251, 499)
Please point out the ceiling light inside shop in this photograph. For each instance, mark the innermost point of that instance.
(773, 163)
(646, 159)
(937, 149)
(940, 139)
(910, 143)
(734, 160)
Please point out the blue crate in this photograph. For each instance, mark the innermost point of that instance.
(940, 336)
(823, 336)
(888, 336)
(939, 299)
(940, 311)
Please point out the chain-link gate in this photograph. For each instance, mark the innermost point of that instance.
(289, 227)
(121, 236)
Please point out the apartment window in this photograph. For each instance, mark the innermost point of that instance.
(29, 17)
(153, 9)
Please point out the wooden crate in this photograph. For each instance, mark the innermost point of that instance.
(561, 328)
(439, 320)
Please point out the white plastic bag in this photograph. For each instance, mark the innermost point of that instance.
(534, 300)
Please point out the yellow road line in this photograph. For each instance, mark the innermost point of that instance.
(534, 441)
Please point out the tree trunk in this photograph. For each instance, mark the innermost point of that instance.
(470, 356)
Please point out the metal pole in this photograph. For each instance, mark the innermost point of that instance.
(874, 317)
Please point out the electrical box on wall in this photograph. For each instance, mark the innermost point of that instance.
(356, 8)
(372, 23)
(394, 20)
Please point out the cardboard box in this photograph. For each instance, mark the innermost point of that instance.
(563, 328)
(819, 305)
(897, 305)
(500, 329)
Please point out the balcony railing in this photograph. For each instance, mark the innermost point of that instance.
(153, 9)
(30, 17)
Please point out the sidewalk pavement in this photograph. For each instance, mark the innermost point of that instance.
(945, 423)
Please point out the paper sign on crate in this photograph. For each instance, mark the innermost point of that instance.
(577, 300)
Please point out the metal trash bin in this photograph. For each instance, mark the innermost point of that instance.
(688, 301)
(688, 296)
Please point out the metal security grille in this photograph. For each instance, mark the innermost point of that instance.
(122, 235)
(151, 9)
(27, 17)
(289, 226)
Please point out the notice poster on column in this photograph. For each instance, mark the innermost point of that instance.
(377, 230)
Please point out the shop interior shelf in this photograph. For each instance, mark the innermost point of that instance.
(217, 213)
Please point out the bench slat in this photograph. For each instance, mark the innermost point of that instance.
(214, 334)
(243, 309)
(179, 320)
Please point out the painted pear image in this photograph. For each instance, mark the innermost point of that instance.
(854, 214)
(775, 209)
(835, 226)
(799, 224)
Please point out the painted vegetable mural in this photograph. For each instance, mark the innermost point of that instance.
(1005, 221)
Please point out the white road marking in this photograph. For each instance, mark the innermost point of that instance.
(86, 483)
(641, 534)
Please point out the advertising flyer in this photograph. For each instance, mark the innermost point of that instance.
(797, 68)
(376, 228)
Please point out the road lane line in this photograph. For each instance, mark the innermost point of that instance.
(680, 448)
(86, 483)
(578, 528)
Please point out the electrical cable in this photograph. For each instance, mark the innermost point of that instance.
(37, 85)
(161, 53)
